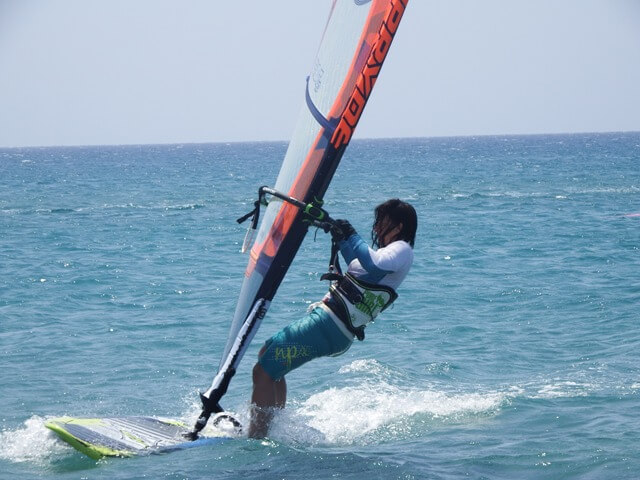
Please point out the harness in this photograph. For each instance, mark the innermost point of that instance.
(355, 302)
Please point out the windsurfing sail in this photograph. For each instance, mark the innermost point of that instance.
(354, 45)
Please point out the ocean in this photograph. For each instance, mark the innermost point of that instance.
(512, 352)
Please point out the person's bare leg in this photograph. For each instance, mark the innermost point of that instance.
(263, 401)
(267, 395)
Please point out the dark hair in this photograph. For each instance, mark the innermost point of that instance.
(398, 212)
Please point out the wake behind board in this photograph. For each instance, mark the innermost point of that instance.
(127, 436)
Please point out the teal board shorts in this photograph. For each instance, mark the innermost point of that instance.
(315, 335)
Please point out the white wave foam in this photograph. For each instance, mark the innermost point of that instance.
(563, 389)
(366, 365)
(352, 415)
(33, 443)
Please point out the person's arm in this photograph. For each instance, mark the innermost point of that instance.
(377, 263)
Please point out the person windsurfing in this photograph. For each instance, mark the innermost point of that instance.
(353, 301)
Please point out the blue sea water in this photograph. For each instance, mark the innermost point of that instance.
(513, 351)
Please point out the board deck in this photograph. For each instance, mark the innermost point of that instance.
(126, 436)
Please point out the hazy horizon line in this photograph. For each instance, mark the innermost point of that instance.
(227, 142)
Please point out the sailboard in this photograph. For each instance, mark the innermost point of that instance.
(354, 45)
(129, 436)
(353, 48)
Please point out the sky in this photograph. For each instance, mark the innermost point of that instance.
(109, 72)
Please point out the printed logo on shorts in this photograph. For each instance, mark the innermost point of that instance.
(288, 354)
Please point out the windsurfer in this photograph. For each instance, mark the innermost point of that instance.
(352, 302)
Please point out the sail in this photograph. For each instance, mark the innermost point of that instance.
(354, 45)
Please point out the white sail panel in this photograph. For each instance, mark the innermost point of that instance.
(336, 53)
